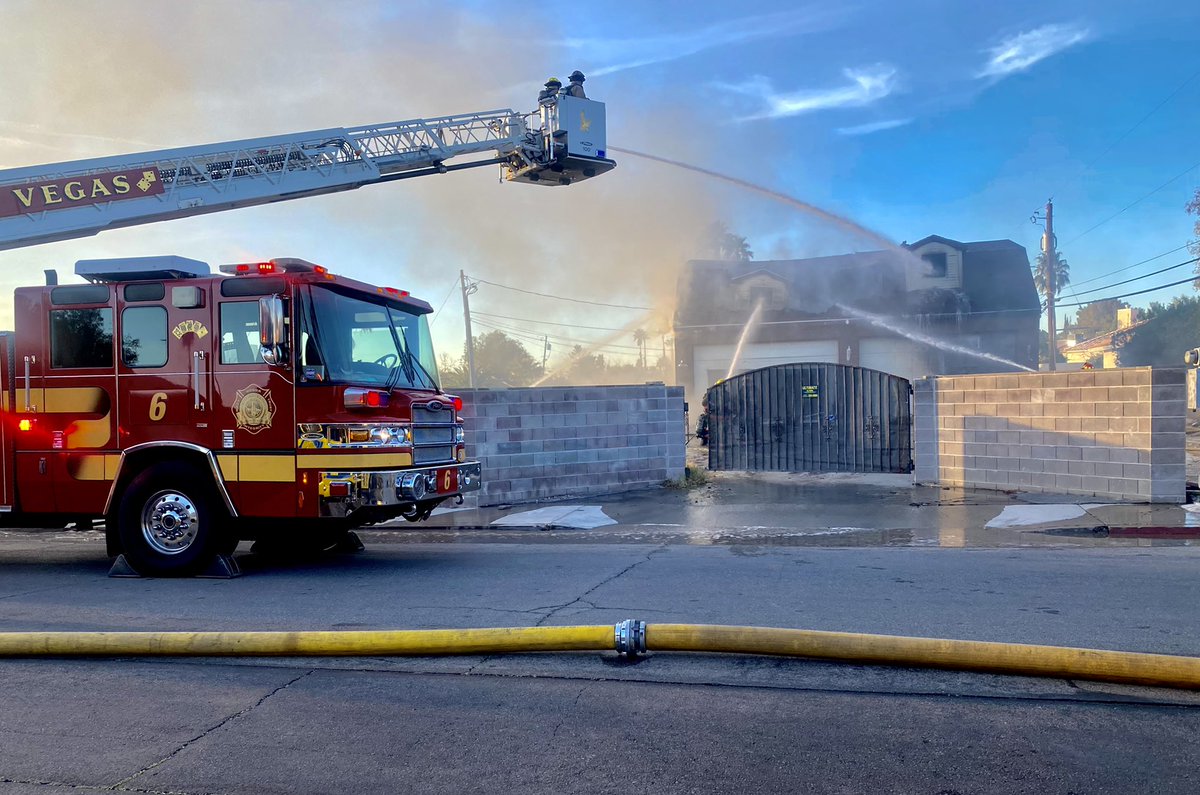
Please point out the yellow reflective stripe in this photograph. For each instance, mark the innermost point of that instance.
(228, 464)
(93, 467)
(267, 468)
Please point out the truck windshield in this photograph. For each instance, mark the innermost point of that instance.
(363, 342)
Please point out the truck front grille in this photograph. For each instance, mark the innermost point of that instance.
(433, 455)
(424, 414)
(433, 434)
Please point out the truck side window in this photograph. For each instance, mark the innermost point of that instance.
(81, 337)
(144, 336)
(239, 332)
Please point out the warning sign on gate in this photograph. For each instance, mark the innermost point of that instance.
(810, 391)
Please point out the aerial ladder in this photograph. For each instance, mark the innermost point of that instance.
(561, 143)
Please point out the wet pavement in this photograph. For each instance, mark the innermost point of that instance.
(832, 510)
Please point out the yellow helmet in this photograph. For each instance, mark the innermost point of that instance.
(554, 81)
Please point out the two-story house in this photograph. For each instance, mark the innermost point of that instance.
(929, 309)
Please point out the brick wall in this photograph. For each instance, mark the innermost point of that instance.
(543, 442)
(1107, 433)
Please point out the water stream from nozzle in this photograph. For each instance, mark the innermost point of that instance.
(747, 330)
(845, 224)
(916, 336)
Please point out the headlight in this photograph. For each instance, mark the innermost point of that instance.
(460, 436)
(381, 435)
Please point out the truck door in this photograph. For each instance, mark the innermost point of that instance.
(253, 404)
(76, 418)
(164, 376)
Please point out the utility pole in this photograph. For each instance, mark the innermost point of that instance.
(545, 352)
(468, 287)
(1050, 250)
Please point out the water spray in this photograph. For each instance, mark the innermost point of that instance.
(751, 325)
(845, 224)
(882, 322)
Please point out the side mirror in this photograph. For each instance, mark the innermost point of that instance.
(272, 330)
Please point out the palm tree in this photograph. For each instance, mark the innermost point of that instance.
(1041, 275)
(639, 337)
(1043, 279)
(723, 244)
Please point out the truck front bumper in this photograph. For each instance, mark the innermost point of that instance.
(343, 493)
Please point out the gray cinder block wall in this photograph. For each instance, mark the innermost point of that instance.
(1116, 434)
(539, 443)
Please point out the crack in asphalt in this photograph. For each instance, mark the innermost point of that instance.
(120, 785)
(28, 782)
(574, 704)
(555, 609)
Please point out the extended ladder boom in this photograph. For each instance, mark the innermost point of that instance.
(41, 204)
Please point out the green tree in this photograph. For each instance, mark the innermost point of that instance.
(453, 372)
(1044, 348)
(1099, 317)
(501, 361)
(1162, 342)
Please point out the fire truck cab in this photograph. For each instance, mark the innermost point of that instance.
(190, 410)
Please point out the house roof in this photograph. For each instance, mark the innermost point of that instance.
(996, 277)
(1105, 341)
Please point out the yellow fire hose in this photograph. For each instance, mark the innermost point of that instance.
(631, 638)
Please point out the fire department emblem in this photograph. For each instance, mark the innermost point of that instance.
(253, 408)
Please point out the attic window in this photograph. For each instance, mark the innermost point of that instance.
(935, 265)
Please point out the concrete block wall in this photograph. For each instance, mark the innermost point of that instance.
(539, 443)
(1114, 434)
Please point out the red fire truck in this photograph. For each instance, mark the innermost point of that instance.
(189, 410)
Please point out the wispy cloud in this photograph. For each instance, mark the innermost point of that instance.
(1021, 51)
(873, 127)
(616, 55)
(865, 85)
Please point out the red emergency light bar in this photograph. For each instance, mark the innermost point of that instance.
(394, 291)
(277, 265)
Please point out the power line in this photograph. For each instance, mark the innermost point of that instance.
(1134, 265)
(1139, 292)
(547, 322)
(532, 335)
(1142, 120)
(563, 297)
(1136, 278)
(449, 293)
(1134, 204)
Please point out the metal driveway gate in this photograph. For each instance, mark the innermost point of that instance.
(811, 417)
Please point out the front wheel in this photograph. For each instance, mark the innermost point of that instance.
(168, 520)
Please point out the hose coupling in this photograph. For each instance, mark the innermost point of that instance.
(631, 637)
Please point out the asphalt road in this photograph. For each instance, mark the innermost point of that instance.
(592, 722)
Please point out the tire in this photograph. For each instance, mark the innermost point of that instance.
(171, 521)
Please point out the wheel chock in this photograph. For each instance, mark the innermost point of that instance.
(122, 568)
(221, 567)
(349, 544)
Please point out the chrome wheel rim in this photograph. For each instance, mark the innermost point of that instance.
(170, 522)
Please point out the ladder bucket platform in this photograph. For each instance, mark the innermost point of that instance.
(567, 170)
(571, 134)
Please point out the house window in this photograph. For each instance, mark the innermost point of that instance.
(935, 264)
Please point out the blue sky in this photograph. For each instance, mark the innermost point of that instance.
(951, 118)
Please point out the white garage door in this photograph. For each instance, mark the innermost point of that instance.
(889, 355)
(711, 362)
